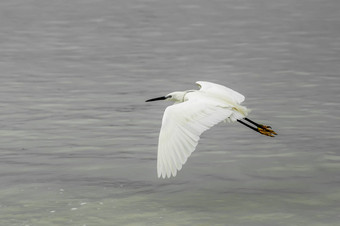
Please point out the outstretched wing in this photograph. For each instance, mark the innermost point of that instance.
(220, 91)
(182, 126)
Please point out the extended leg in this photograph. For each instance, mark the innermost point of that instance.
(251, 121)
(247, 125)
(265, 130)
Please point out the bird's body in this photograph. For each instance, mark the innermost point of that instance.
(194, 112)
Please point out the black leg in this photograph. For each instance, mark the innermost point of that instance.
(264, 130)
(249, 126)
(256, 124)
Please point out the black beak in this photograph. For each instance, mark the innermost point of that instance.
(157, 98)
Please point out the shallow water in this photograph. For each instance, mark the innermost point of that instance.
(78, 142)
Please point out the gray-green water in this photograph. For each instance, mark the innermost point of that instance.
(78, 142)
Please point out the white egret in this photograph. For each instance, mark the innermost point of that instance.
(194, 112)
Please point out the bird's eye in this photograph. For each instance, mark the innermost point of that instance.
(169, 96)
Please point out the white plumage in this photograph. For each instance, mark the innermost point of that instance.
(194, 112)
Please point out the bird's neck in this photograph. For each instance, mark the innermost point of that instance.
(185, 94)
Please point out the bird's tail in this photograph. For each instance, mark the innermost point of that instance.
(239, 112)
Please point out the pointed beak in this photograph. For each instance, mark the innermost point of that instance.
(157, 98)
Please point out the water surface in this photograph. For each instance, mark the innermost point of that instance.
(78, 142)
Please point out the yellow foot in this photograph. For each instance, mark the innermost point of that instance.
(266, 130)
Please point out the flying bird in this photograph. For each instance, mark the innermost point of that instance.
(194, 112)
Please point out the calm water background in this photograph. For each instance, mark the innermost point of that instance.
(78, 142)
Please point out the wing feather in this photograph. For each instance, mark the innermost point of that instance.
(182, 126)
(221, 91)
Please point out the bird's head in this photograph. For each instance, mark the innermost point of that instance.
(174, 96)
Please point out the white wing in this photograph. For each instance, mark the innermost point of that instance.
(182, 126)
(220, 91)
